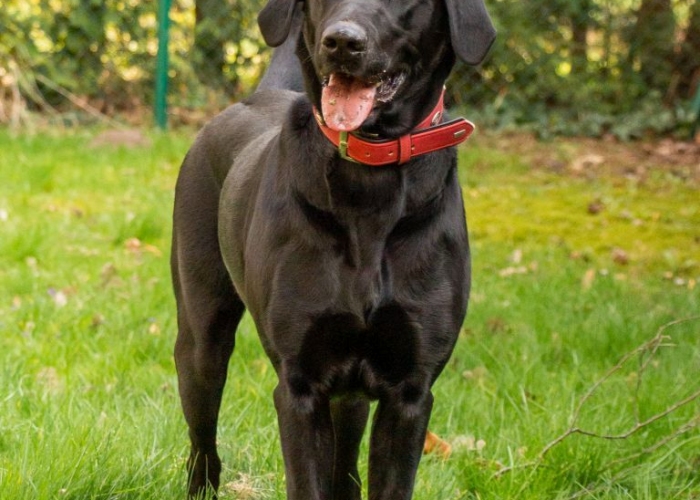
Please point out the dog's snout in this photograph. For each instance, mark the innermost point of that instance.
(344, 39)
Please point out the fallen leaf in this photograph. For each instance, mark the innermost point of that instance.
(595, 207)
(48, 377)
(588, 279)
(497, 325)
(133, 245)
(243, 488)
(435, 445)
(107, 273)
(469, 443)
(619, 256)
(511, 271)
(136, 246)
(59, 297)
(517, 256)
(585, 162)
(97, 320)
(154, 329)
(121, 137)
(477, 375)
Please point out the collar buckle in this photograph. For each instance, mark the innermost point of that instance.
(343, 147)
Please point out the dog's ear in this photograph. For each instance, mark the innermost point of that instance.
(471, 30)
(275, 19)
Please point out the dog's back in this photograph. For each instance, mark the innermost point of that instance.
(228, 133)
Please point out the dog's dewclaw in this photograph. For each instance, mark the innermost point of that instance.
(346, 102)
(433, 444)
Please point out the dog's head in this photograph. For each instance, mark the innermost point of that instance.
(379, 64)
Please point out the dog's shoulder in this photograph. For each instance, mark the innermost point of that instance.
(261, 110)
(223, 138)
(269, 106)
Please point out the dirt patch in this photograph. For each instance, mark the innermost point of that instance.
(129, 138)
(587, 157)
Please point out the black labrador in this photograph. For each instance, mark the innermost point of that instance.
(335, 217)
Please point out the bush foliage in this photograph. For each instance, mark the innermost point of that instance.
(591, 67)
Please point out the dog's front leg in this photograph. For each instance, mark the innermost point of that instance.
(349, 421)
(306, 432)
(396, 445)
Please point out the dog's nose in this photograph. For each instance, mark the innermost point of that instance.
(343, 39)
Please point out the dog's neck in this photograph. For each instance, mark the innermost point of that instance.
(429, 135)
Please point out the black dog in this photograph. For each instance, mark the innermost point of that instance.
(357, 276)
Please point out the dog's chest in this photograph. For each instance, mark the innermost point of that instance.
(346, 256)
(350, 220)
(340, 353)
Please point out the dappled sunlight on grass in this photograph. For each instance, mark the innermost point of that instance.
(606, 216)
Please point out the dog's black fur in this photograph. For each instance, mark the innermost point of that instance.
(357, 277)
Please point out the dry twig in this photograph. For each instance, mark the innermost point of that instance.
(77, 101)
(647, 352)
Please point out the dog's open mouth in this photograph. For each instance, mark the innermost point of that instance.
(347, 101)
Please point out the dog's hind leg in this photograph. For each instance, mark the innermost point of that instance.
(208, 312)
(349, 421)
(202, 355)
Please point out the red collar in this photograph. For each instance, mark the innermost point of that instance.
(430, 135)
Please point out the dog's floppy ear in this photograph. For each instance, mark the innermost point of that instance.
(471, 29)
(275, 19)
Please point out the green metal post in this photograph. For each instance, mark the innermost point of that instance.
(161, 105)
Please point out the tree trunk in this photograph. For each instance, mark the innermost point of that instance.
(688, 62)
(580, 21)
(652, 43)
(210, 31)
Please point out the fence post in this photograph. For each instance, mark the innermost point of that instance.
(161, 105)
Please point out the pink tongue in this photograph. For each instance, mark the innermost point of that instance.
(346, 102)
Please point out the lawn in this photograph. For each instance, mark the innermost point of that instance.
(576, 376)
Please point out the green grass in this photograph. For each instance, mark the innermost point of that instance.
(88, 398)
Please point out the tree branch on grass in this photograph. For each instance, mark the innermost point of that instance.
(646, 352)
(691, 424)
